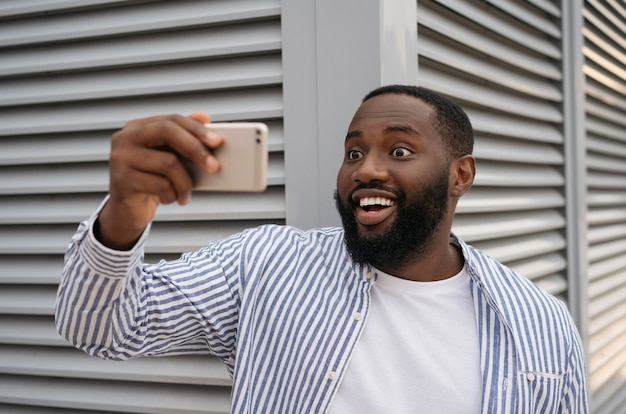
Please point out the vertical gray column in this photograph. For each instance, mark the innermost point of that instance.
(333, 54)
(575, 151)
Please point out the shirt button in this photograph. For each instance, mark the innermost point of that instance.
(371, 275)
(357, 316)
(332, 375)
(530, 377)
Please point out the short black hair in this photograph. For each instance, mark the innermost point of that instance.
(453, 123)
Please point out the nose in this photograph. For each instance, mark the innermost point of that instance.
(371, 169)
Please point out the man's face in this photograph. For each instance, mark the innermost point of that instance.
(392, 188)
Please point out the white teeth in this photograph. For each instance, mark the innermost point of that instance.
(376, 201)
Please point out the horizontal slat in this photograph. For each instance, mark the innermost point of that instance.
(604, 320)
(27, 300)
(609, 352)
(504, 174)
(67, 208)
(600, 234)
(53, 148)
(68, 362)
(436, 77)
(474, 227)
(436, 49)
(609, 374)
(547, 6)
(555, 284)
(29, 409)
(225, 206)
(610, 164)
(46, 270)
(605, 180)
(605, 136)
(543, 266)
(86, 146)
(87, 177)
(14, 8)
(485, 42)
(29, 330)
(605, 94)
(530, 16)
(602, 199)
(613, 248)
(133, 18)
(509, 125)
(494, 148)
(30, 270)
(251, 71)
(508, 28)
(196, 43)
(114, 396)
(609, 71)
(604, 21)
(487, 199)
(599, 198)
(507, 250)
(606, 302)
(610, 398)
(54, 178)
(605, 112)
(601, 216)
(166, 237)
(44, 239)
(232, 105)
(53, 239)
(606, 275)
(178, 237)
(609, 289)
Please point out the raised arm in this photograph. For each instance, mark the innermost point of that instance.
(109, 304)
(145, 171)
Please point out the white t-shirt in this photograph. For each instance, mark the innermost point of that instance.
(419, 352)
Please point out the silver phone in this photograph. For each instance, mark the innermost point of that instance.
(243, 158)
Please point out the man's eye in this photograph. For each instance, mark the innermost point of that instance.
(353, 155)
(401, 152)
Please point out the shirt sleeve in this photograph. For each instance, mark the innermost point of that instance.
(575, 399)
(113, 306)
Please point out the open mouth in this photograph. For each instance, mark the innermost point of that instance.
(375, 203)
(374, 210)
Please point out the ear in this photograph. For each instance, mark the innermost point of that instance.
(462, 173)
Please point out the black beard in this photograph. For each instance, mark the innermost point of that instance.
(407, 238)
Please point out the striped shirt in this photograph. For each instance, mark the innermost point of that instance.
(284, 309)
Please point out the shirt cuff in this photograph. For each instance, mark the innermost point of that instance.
(105, 260)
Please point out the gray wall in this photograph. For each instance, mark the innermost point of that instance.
(543, 82)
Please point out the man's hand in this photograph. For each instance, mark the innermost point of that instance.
(145, 170)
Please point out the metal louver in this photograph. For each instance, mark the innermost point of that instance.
(70, 74)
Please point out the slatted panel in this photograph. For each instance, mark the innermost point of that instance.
(605, 90)
(501, 61)
(71, 73)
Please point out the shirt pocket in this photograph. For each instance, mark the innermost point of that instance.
(540, 392)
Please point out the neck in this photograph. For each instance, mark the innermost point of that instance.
(440, 260)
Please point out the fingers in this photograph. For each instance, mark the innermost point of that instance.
(145, 156)
(179, 134)
(201, 117)
(151, 171)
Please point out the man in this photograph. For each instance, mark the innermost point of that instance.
(391, 313)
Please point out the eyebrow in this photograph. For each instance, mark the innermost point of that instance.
(407, 129)
(402, 128)
(353, 134)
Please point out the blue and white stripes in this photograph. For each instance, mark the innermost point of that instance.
(284, 309)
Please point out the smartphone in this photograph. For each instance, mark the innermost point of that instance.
(243, 158)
